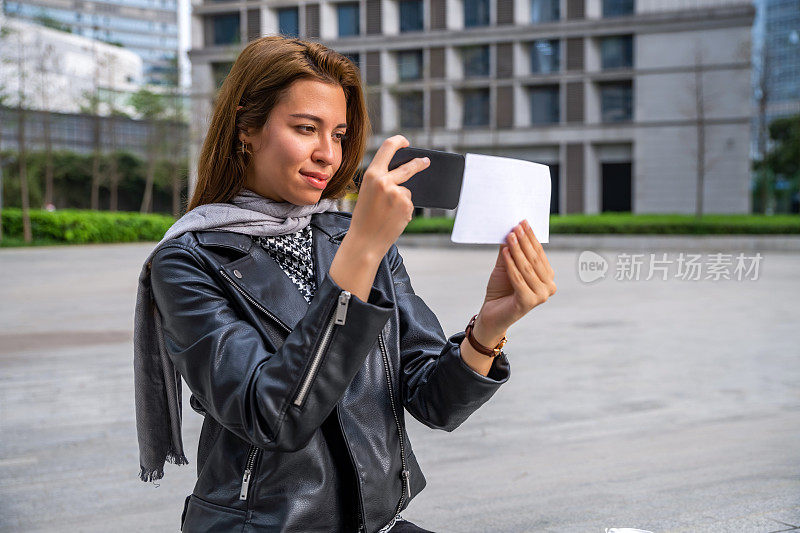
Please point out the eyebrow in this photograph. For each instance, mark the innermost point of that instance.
(314, 118)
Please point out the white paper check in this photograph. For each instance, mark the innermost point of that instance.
(497, 193)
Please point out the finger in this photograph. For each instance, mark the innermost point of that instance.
(386, 152)
(525, 295)
(408, 169)
(531, 253)
(538, 246)
(524, 266)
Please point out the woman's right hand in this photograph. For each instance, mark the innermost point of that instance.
(384, 208)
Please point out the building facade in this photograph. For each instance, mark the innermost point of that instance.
(782, 53)
(59, 71)
(629, 102)
(148, 28)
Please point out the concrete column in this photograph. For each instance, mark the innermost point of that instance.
(328, 21)
(391, 17)
(455, 15)
(591, 171)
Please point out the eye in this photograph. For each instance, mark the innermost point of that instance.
(340, 136)
(312, 128)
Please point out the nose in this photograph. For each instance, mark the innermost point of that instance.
(325, 153)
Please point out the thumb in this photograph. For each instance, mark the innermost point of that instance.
(500, 262)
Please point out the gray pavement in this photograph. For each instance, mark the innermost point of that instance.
(670, 406)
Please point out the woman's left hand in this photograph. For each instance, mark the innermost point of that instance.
(522, 279)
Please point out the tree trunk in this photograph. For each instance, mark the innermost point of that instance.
(113, 171)
(95, 202)
(701, 138)
(147, 198)
(113, 177)
(48, 166)
(23, 179)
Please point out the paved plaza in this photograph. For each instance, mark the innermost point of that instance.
(665, 405)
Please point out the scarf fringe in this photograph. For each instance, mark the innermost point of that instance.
(149, 476)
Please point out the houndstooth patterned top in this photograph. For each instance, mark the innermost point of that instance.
(292, 252)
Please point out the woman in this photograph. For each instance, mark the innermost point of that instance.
(295, 326)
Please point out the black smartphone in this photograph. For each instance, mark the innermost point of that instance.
(439, 185)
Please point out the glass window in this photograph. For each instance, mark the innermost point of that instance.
(616, 101)
(226, 29)
(348, 19)
(476, 107)
(616, 8)
(545, 56)
(544, 10)
(409, 64)
(410, 15)
(219, 71)
(545, 108)
(289, 22)
(476, 13)
(476, 61)
(411, 110)
(616, 52)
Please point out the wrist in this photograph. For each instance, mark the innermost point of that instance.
(360, 250)
(485, 334)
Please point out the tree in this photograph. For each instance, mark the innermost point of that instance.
(703, 106)
(783, 159)
(45, 65)
(21, 142)
(177, 145)
(151, 108)
(4, 33)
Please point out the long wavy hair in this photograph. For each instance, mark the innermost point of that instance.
(258, 79)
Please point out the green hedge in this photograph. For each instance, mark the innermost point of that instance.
(625, 223)
(73, 226)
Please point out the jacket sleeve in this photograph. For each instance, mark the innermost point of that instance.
(226, 364)
(438, 388)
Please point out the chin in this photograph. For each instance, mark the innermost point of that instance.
(307, 199)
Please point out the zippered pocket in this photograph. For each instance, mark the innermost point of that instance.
(247, 476)
(338, 317)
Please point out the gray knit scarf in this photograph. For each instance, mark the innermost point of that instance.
(156, 382)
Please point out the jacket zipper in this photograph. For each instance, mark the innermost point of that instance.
(405, 474)
(248, 472)
(254, 302)
(338, 317)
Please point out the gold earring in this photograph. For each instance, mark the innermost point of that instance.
(244, 149)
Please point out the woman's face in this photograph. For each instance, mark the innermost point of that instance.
(302, 136)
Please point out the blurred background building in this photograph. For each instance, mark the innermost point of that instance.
(149, 28)
(79, 118)
(777, 56)
(638, 106)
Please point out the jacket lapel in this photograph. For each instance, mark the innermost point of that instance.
(262, 279)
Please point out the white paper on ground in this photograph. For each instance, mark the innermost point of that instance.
(497, 193)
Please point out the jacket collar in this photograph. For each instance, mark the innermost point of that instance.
(263, 280)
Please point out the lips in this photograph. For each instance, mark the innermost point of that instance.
(315, 179)
(317, 175)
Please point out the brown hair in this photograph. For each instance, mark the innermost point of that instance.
(257, 81)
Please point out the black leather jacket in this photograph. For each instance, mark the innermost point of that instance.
(303, 404)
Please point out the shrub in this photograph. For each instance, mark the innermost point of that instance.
(78, 226)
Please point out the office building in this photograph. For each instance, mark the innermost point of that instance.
(625, 100)
(147, 27)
